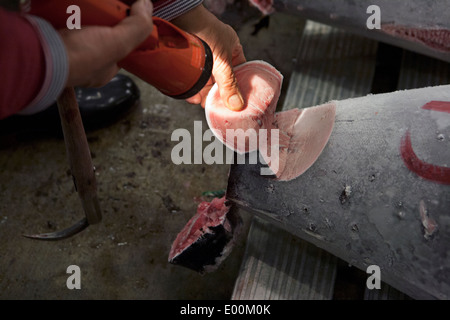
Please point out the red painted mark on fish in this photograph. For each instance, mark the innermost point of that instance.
(423, 169)
(441, 106)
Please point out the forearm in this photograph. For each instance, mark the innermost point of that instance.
(196, 21)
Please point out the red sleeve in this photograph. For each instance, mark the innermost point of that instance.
(22, 63)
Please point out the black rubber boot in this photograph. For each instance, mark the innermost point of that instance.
(99, 107)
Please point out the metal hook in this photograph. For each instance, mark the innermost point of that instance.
(80, 161)
(60, 235)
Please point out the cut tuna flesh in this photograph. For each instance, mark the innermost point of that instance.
(260, 85)
(303, 133)
(208, 237)
(308, 130)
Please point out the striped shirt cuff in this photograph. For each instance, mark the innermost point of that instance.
(56, 66)
(175, 9)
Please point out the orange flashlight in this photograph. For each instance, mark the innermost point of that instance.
(175, 62)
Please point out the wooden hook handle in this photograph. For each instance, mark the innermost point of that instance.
(79, 155)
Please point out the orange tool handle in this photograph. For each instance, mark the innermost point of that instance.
(170, 59)
(93, 12)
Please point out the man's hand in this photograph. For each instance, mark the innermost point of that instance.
(227, 51)
(94, 51)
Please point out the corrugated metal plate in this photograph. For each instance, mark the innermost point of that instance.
(331, 64)
(420, 71)
(279, 266)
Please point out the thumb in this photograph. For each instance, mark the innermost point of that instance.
(135, 28)
(228, 87)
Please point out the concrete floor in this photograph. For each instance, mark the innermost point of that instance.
(146, 199)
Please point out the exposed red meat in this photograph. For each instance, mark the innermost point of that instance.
(207, 238)
(303, 133)
(436, 38)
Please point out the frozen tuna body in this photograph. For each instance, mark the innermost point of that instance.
(302, 133)
(208, 237)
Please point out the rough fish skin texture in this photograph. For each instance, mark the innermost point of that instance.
(208, 237)
(303, 133)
